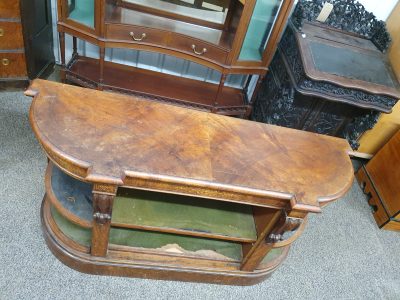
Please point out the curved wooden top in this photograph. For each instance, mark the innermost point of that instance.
(115, 140)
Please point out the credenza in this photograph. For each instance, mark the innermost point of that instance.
(146, 189)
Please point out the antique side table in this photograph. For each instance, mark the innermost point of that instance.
(327, 81)
(145, 189)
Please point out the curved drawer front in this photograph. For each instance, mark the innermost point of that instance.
(197, 48)
(136, 34)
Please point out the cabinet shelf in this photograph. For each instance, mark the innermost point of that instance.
(152, 240)
(158, 86)
(154, 211)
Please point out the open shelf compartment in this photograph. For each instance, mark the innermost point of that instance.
(153, 211)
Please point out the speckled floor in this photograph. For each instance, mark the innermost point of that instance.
(341, 255)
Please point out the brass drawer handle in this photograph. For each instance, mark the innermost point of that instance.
(1, 32)
(198, 53)
(137, 39)
(5, 61)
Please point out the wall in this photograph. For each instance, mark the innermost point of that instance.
(380, 8)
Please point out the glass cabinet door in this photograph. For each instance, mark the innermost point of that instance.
(81, 11)
(259, 30)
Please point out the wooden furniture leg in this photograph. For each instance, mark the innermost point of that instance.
(74, 46)
(101, 79)
(271, 225)
(62, 53)
(220, 87)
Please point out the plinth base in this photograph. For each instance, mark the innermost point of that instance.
(148, 263)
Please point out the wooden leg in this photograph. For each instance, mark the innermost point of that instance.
(102, 211)
(220, 87)
(271, 225)
(62, 53)
(74, 46)
(101, 71)
(265, 220)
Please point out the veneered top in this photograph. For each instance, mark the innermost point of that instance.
(122, 140)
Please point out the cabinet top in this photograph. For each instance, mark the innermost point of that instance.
(118, 140)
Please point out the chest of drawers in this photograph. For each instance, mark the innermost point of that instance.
(26, 41)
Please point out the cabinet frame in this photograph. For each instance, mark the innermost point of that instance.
(231, 65)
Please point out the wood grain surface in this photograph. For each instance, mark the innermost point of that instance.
(126, 141)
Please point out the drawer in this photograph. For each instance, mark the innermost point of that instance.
(12, 65)
(136, 34)
(11, 36)
(198, 48)
(9, 9)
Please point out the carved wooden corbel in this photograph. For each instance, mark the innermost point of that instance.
(285, 224)
(102, 211)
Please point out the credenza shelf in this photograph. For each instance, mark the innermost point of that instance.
(153, 211)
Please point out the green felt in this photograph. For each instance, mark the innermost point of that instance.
(273, 254)
(262, 18)
(83, 12)
(147, 239)
(75, 232)
(185, 213)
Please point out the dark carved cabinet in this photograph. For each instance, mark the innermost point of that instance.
(26, 40)
(329, 78)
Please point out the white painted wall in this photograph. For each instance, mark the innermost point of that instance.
(380, 8)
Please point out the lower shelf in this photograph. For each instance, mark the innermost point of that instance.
(153, 211)
(158, 86)
(138, 254)
(152, 240)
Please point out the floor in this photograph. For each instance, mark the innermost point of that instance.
(341, 255)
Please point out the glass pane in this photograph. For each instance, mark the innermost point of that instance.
(214, 11)
(259, 30)
(82, 11)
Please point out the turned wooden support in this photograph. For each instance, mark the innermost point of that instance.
(74, 46)
(271, 226)
(220, 87)
(102, 52)
(62, 54)
(103, 199)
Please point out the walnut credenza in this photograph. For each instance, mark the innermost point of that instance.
(145, 189)
(380, 179)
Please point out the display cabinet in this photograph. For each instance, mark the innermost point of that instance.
(230, 36)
